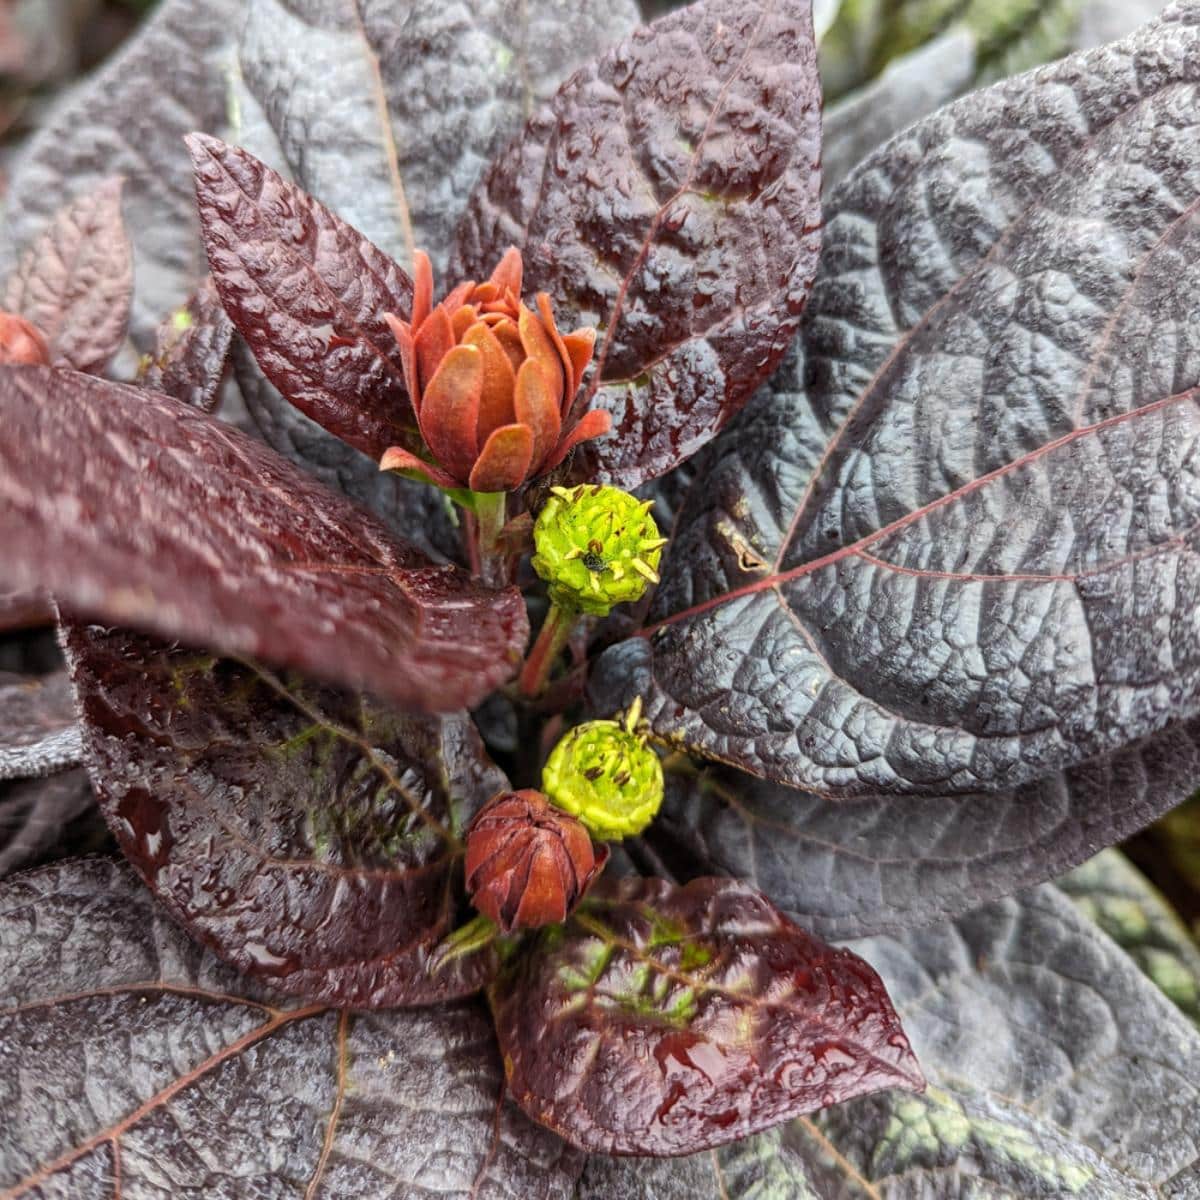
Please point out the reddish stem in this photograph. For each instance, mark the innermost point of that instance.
(549, 645)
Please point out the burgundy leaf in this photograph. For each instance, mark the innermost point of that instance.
(134, 508)
(954, 546)
(48, 818)
(191, 350)
(309, 295)
(305, 834)
(670, 194)
(38, 729)
(75, 281)
(25, 610)
(128, 118)
(132, 1057)
(666, 1020)
(425, 92)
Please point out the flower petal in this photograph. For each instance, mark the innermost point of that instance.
(538, 346)
(509, 272)
(402, 332)
(593, 424)
(396, 458)
(422, 288)
(499, 381)
(433, 342)
(535, 407)
(580, 347)
(450, 410)
(504, 462)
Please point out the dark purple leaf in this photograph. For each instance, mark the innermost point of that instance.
(25, 610)
(308, 835)
(134, 1062)
(954, 549)
(308, 293)
(134, 508)
(1056, 1070)
(191, 349)
(424, 93)
(74, 282)
(420, 514)
(48, 818)
(455, 80)
(665, 1020)
(669, 194)
(129, 120)
(845, 868)
(39, 732)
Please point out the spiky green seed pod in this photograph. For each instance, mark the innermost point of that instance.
(604, 773)
(595, 547)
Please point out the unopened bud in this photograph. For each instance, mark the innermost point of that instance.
(21, 345)
(528, 863)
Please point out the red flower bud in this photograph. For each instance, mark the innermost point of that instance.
(21, 345)
(491, 381)
(528, 863)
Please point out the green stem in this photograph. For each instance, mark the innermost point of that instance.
(535, 675)
(491, 514)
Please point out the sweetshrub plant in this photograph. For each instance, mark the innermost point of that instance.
(916, 631)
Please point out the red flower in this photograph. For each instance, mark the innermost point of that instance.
(21, 345)
(491, 382)
(528, 862)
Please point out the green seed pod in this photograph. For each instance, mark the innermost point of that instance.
(595, 547)
(604, 773)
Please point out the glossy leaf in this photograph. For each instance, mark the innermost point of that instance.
(663, 1020)
(41, 819)
(128, 120)
(29, 609)
(191, 351)
(418, 513)
(308, 293)
(669, 194)
(955, 549)
(845, 868)
(1055, 1070)
(333, 95)
(307, 835)
(74, 281)
(133, 1057)
(134, 508)
(39, 733)
(388, 114)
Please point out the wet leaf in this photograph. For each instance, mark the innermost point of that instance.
(954, 549)
(39, 733)
(662, 1020)
(1116, 897)
(845, 868)
(455, 80)
(1056, 1069)
(221, 537)
(415, 511)
(388, 114)
(133, 1057)
(308, 293)
(128, 120)
(307, 835)
(75, 280)
(669, 194)
(41, 819)
(191, 350)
